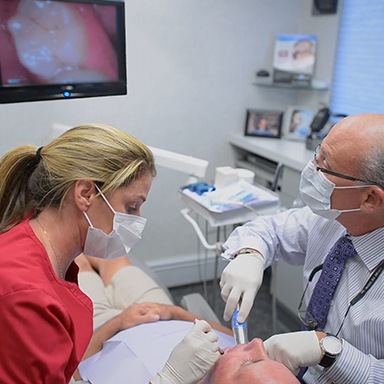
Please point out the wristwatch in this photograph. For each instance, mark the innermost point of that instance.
(332, 347)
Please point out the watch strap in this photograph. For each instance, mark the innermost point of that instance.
(327, 360)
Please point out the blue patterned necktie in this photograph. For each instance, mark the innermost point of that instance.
(318, 306)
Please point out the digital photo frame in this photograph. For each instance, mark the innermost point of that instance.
(263, 123)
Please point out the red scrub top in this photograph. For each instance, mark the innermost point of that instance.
(45, 323)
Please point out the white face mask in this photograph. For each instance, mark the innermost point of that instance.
(125, 235)
(316, 191)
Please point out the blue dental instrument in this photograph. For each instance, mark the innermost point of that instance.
(240, 330)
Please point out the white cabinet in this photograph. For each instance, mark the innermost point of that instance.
(265, 156)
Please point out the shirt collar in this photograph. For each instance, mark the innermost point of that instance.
(370, 247)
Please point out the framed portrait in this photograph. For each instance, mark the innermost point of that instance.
(297, 122)
(263, 123)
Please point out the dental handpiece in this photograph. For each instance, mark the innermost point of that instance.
(240, 330)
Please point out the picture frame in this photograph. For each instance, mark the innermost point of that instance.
(264, 123)
(294, 59)
(297, 122)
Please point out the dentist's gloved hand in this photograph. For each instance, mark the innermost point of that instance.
(295, 349)
(192, 358)
(241, 279)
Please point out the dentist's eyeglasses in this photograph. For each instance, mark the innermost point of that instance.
(306, 318)
(310, 322)
(341, 175)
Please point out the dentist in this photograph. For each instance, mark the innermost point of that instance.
(343, 188)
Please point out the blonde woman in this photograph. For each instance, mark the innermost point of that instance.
(80, 193)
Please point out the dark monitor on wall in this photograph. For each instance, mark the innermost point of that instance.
(61, 49)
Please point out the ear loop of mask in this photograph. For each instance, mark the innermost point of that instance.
(344, 187)
(351, 187)
(87, 218)
(105, 199)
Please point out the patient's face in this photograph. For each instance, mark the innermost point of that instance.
(248, 363)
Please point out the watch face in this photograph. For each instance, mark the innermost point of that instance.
(332, 345)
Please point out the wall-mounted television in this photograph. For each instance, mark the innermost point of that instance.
(61, 49)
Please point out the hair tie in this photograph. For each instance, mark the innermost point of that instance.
(38, 155)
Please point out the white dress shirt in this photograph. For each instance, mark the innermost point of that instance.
(300, 237)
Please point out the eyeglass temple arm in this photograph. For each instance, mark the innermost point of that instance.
(311, 276)
(314, 271)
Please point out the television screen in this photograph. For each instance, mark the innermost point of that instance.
(58, 49)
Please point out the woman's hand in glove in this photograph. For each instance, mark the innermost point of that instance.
(192, 358)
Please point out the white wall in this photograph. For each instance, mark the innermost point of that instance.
(191, 65)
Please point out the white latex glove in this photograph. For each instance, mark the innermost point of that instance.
(192, 358)
(295, 349)
(241, 279)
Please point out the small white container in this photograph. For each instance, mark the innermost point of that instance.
(225, 176)
(245, 174)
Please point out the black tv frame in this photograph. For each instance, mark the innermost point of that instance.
(44, 92)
